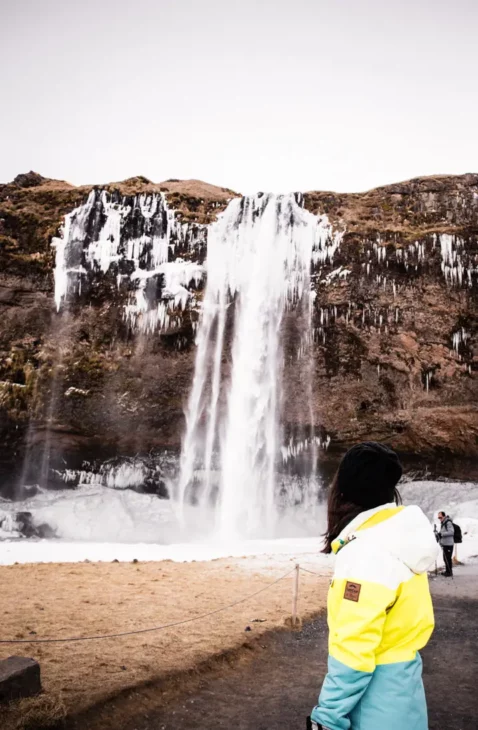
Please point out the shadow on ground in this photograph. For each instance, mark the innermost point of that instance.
(276, 690)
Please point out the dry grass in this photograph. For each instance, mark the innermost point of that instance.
(43, 711)
(95, 598)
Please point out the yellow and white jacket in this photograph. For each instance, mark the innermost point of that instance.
(380, 615)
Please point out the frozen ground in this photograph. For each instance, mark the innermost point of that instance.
(51, 551)
(101, 524)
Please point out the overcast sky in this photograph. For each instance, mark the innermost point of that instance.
(273, 95)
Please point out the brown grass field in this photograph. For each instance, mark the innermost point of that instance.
(65, 600)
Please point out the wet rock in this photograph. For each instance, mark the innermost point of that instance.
(19, 677)
(27, 528)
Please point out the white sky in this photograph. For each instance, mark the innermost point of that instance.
(252, 94)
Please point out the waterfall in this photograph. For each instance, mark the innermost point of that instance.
(260, 253)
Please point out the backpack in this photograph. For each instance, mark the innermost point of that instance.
(458, 536)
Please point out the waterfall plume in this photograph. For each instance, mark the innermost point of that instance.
(260, 253)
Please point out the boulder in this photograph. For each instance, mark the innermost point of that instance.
(29, 179)
(19, 677)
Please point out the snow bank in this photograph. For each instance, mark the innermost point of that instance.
(98, 514)
(457, 499)
(54, 551)
(100, 524)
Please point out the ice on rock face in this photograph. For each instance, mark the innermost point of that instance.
(459, 266)
(104, 250)
(69, 248)
(293, 448)
(135, 238)
(341, 274)
(459, 338)
(126, 474)
(380, 251)
(326, 241)
(177, 276)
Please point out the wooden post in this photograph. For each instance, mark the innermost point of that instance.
(295, 596)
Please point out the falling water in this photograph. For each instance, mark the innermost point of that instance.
(260, 254)
(259, 260)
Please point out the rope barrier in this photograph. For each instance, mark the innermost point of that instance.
(145, 631)
(312, 572)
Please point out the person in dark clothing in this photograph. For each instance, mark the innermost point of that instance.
(447, 541)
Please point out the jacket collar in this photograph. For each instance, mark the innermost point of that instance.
(348, 533)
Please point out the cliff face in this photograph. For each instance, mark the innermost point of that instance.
(398, 360)
(394, 321)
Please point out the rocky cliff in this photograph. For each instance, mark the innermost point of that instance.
(394, 320)
(399, 346)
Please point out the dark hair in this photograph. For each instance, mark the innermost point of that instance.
(367, 477)
(442, 513)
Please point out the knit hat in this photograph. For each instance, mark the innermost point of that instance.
(368, 474)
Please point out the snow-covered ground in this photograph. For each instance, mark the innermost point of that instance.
(100, 524)
(94, 513)
(51, 551)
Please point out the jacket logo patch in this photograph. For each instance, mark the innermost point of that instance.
(352, 591)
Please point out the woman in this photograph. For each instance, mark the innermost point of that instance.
(379, 606)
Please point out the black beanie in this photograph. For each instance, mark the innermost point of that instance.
(368, 474)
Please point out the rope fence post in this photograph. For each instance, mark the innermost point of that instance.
(295, 595)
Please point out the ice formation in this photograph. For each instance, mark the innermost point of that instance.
(134, 238)
(459, 266)
(121, 475)
(460, 337)
(457, 259)
(293, 448)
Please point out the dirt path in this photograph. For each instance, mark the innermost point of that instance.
(276, 689)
